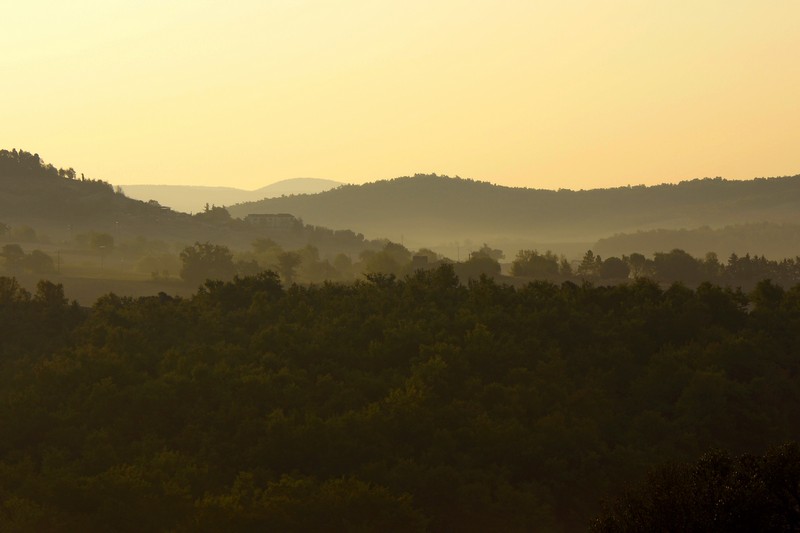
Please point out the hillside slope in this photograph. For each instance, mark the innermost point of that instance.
(58, 204)
(432, 208)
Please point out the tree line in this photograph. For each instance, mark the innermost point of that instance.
(206, 260)
(308, 264)
(666, 267)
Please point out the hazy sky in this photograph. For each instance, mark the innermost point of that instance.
(538, 93)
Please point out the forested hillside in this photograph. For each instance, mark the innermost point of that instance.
(383, 405)
(61, 205)
(431, 209)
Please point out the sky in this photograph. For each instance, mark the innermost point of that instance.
(530, 93)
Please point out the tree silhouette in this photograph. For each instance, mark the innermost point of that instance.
(614, 268)
(718, 493)
(590, 265)
(287, 264)
(206, 261)
(532, 264)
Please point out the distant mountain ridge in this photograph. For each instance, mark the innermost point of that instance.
(431, 208)
(192, 198)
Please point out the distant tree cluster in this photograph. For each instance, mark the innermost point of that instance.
(27, 165)
(214, 215)
(30, 165)
(20, 233)
(206, 261)
(305, 265)
(393, 403)
(16, 261)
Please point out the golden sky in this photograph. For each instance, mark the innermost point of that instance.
(536, 93)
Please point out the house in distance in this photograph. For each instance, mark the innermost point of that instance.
(272, 221)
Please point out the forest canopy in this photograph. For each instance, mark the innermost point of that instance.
(399, 403)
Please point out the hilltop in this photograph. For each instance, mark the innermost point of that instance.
(431, 209)
(193, 198)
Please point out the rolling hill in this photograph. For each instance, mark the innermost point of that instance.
(431, 209)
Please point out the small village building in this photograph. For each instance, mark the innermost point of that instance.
(280, 221)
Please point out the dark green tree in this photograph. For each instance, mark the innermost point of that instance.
(206, 261)
(590, 265)
(487, 251)
(214, 215)
(638, 265)
(476, 266)
(718, 493)
(614, 268)
(677, 265)
(392, 259)
(287, 265)
(482, 262)
(532, 264)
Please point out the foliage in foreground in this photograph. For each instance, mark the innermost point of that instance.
(717, 493)
(387, 404)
